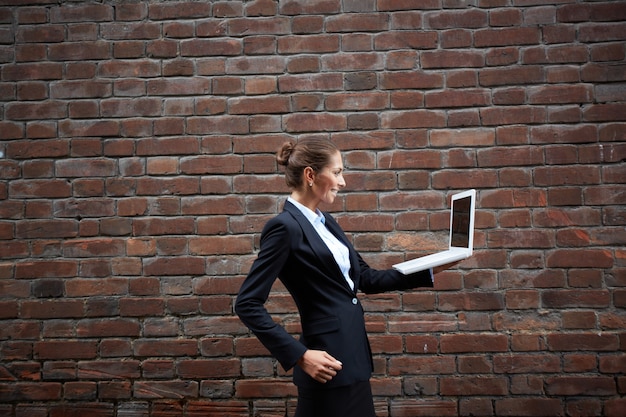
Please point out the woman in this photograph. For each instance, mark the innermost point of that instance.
(307, 250)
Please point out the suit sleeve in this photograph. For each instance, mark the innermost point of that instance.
(255, 290)
(376, 281)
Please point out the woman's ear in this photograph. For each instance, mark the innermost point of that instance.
(309, 176)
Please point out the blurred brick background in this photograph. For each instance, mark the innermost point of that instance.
(137, 170)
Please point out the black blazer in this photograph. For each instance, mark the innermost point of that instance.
(331, 315)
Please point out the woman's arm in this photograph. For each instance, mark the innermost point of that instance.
(249, 306)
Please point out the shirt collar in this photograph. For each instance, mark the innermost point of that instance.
(312, 216)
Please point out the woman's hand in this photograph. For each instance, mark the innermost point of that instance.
(319, 365)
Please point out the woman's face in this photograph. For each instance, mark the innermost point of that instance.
(329, 180)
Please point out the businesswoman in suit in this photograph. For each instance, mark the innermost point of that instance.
(307, 250)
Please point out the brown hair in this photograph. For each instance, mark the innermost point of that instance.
(295, 156)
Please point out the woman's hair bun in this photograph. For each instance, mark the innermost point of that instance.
(283, 154)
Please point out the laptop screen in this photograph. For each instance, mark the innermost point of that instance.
(461, 213)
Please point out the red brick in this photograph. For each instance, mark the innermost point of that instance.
(470, 301)
(582, 342)
(357, 101)
(559, 94)
(209, 205)
(461, 179)
(307, 8)
(209, 368)
(421, 344)
(256, 65)
(527, 364)
(604, 112)
(52, 309)
(32, 71)
(92, 247)
(230, 408)
(401, 365)
(412, 119)
(473, 343)
(41, 34)
(457, 98)
(507, 36)
(508, 76)
(80, 13)
(464, 118)
(411, 80)
(214, 325)
(363, 22)
(312, 82)
(576, 298)
(452, 59)
(65, 350)
(262, 388)
(26, 391)
(454, 19)
(157, 369)
(474, 365)
(216, 346)
(220, 245)
(251, 105)
(469, 385)
(80, 390)
(381, 302)
(142, 307)
(165, 347)
(314, 122)
(46, 269)
(175, 266)
(566, 385)
(532, 407)
(116, 390)
(601, 32)
(115, 348)
(462, 137)
(393, 40)
(581, 258)
(610, 52)
(522, 299)
(109, 369)
(423, 408)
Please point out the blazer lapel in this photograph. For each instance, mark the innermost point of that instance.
(318, 245)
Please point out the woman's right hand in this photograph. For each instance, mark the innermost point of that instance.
(319, 365)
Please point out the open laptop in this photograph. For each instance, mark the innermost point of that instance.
(461, 236)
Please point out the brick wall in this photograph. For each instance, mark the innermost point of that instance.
(137, 171)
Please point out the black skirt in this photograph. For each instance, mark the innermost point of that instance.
(349, 401)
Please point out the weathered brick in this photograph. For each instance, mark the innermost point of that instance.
(165, 389)
(46, 269)
(31, 391)
(109, 369)
(166, 347)
(473, 343)
(531, 406)
(56, 350)
(174, 266)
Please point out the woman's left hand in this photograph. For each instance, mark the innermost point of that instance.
(319, 365)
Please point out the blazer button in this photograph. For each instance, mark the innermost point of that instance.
(354, 301)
